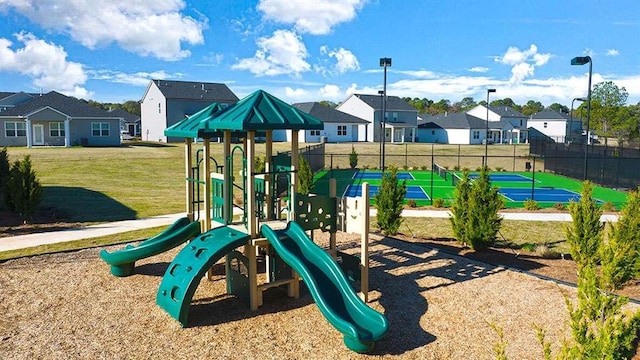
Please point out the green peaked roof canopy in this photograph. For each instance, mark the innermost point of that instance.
(196, 125)
(258, 111)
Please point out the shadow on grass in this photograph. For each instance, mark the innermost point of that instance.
(83, 205)
(146, 144)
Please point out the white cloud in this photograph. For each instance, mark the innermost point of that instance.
(523, 62)
(479, 69)
(293, 94)
(45, 63)
(316, 17)
(135, 79)
(331, 92)
(613, 52)
(345, 61)
(144, 27)
(282, 53)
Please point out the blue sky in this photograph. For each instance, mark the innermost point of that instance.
(302, 50)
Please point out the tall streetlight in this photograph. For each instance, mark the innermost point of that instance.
(581, 99)
(486, 135)
(581, 60)
(381, 93)
(384, 62)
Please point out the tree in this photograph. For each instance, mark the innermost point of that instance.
(475, 219)
(353, 158)
(531, 107)
(132, 107)
(330, 104)
(389, 202)
(463, 105)
(5, 167)
(606, 101)
(23, 192)
(559, 108)
(305, 177)
(584, 235)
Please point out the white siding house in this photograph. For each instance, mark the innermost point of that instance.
(452, 128)
(400, 120)
(506, 125)
(164, 103)
(554, 125)
(338, 126)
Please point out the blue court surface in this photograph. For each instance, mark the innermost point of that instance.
(503, 177)
(378, 176)
(541, 194)
(413, 192)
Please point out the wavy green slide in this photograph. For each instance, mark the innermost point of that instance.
(361, 325)
(183, 275)
(123, 261)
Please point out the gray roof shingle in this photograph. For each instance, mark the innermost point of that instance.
(549, 114)
(327, 114)
(506, 111)
(67, 105)
(453, 121)
(196, 91)
(394, 103)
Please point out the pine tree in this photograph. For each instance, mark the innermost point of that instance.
(389, 202)
(584, 236)
(353, 158)
(305, 177)
(460, 208)
(5, 167)
(23, 192)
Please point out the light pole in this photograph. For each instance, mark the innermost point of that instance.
(581, 60)
(486, 135)
(381, 93)
(581, 99)
(384, 62)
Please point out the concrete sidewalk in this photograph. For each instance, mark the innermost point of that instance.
(44, 238)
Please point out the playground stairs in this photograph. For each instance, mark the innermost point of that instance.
(183, 275)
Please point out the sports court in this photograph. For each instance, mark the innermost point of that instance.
(425, 186)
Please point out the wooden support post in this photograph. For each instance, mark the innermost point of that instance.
(255, 295)
(227, 186)
(250, 206)
(207, 184)
(294, 175)
(332, 236)
(364, 244)
(268, 178)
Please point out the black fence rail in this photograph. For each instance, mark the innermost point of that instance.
(617, 167)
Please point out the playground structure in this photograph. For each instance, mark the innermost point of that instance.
(290, 254)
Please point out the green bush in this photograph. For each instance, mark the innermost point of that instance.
(5, 167)
(530, 204)
(560, 206)
(608, 207)
(305, 177)
(584, 235)
(22, 191)
(411, 203)
(438, 203)
(389, 202)
(353, 158)
(423, 167)
(475, 220)
(258, 165)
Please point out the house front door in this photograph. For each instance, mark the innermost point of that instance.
(38, 134)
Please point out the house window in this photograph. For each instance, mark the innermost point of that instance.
(520, 122)
(433, 132)
(314, 132)
(15, 129)
(56, 129)
(100, 129)
(395, 117)
(342, 130)
(545, 124)
(476, 134)
(159, 109)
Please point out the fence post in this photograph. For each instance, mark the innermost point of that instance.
(431, 191)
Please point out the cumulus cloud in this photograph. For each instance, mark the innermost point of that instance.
(613, 52)
(331, 92)
(523, 62)
(479, 69)
(345, 60)
(137, 79)
(316, 17)
(282, 53)
(144, 27)
(45, 63)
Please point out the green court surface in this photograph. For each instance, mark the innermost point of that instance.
(515, 187)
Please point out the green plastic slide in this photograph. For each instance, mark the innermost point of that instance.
(123, 261)
(183, 275)
(361, 325)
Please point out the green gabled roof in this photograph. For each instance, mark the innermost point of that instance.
(196, 125)
(262, 111)
(259, 111)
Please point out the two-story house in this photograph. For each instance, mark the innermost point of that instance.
(165, 102)
(553, 125)
(506, 125)
(400, 117)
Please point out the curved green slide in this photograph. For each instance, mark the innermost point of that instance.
(183, 275)
(123, 261)
(360, 324)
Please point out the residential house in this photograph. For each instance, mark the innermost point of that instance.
(164, 103)
(452, 128)
(554, 125)
(53, 119)
(338, 126)
(506, 125)
(130, 125)
(400, 117)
